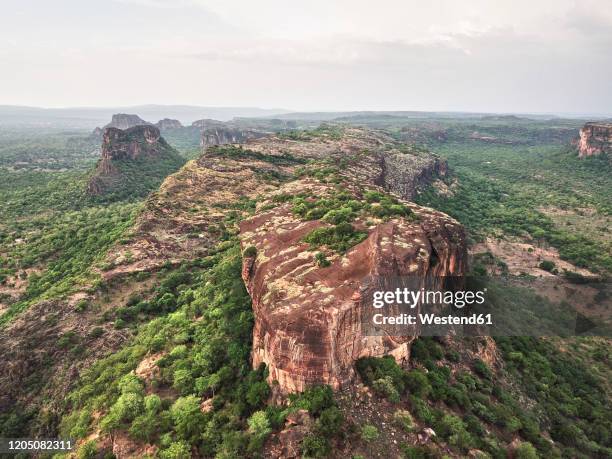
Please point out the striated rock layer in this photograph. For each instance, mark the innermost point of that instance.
(308, 325)
(595, 139)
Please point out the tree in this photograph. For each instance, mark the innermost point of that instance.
(187, 416)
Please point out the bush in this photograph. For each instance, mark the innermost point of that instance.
(88, 450)
(525, 451)
(386, 388)
(547, 265)
(330, 421)
(187, 417)
(322, 260)
(369, 433)
(417, 383)
(372, 369)
(403, 419)
(482, 369)
(339, 238)
(176, 450)
(250, 252)
(315, 446)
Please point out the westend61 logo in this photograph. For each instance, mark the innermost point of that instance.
(483, 305)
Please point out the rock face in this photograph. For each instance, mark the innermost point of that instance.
(308, 326)
(168, 123)
(595, 139)
(133, 144)
(227, 135)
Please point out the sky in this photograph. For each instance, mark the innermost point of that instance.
(511, 56)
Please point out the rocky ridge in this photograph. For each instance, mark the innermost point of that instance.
(307, 327)
(226, 135)
(594, 139)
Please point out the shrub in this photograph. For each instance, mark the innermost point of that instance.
(525, 451)
(372, 369)
(330, 421)
(187, 417)
(339, 238)
(88, 450)
(547, 265)
(417, 383)
(315, 446)
(403, 419)
(322, 260)
(315, 399)
(176, 450)
(386, 388)
(369, 433)
(250, 252)
(482, 369)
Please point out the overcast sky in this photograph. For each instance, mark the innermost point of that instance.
(550, 56)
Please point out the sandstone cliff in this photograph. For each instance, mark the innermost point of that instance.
(308, 327)
(168, 123)
(595, 139)
(139, 144)
(227, 135)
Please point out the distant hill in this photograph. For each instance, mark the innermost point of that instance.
(134, 161)
(90, 117)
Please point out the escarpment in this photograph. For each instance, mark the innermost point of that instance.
(223, 135)
(595, 139)
(307, 298)
(308, 326)
(139, 152)
(307, 313)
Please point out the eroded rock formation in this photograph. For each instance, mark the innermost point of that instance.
(595, 139)
(135, 143)
(308, 327)
(168, 123)
(226, 135)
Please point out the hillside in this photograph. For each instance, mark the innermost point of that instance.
(133, 162)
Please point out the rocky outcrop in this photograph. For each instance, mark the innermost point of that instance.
(168, 123)
(227, 135)
(120, 121)
(126, 121)
(595, 139)
(308, 318)
(134, 144)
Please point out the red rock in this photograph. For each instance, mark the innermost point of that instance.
(307, 318)
(595, 139)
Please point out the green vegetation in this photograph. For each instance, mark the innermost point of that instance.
(340, 237)
(503, 189)
(136, 178)
(461, 406)
(205, 344)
